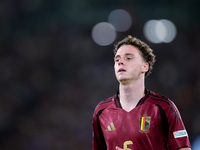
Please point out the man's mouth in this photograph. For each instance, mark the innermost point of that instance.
(121, 70)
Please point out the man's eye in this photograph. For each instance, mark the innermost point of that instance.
(117, 60)
(129, 58)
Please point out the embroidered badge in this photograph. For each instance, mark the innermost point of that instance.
(180, 133)
(145, 123)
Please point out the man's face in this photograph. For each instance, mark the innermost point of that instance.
(129, 64)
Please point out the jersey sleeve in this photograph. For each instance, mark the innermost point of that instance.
(177, 134)
(98, 138)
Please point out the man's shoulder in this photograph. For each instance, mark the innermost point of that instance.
(158, 96)
(164, 102)
(105, 103)
(160, 99)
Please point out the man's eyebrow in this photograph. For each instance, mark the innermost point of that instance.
(127, 54)
(116, 56)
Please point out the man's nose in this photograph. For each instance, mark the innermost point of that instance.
(120, 62)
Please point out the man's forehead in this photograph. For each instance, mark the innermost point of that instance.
(127, 50)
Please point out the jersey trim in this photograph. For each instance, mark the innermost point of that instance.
(164, 122)
(141, 101)
(99, 128)
(169, 103)
(107, 101)
(117, 101)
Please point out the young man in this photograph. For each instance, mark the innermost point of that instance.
(136, 118)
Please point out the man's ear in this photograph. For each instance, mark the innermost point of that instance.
(145, 67)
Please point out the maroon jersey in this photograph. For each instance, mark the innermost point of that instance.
(155, 123)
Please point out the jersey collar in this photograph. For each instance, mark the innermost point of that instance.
(141, 101)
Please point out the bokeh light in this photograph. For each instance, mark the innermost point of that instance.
(160, 31)
(103, 33)
(120, 19)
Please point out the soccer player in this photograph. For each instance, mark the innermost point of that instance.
(136, 118)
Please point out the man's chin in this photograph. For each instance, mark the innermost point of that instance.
(123, 80)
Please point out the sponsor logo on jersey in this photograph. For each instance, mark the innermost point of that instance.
(145, 123)
(110, 127)
(180, 133)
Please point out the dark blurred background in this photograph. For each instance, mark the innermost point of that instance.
(52, 73)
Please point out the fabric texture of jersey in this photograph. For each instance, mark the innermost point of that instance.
(155, 123)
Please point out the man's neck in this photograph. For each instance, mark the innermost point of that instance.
(130, 94)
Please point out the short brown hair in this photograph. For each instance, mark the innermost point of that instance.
(146, 51)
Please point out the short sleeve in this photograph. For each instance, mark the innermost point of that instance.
(177, 135)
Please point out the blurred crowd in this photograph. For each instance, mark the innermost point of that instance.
(52, 74)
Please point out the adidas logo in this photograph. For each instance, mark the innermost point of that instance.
(111, 127)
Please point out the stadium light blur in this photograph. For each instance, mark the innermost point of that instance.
(103, 33)
(160, 31)
(120, 19)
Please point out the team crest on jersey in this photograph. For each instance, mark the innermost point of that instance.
(145, 123)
